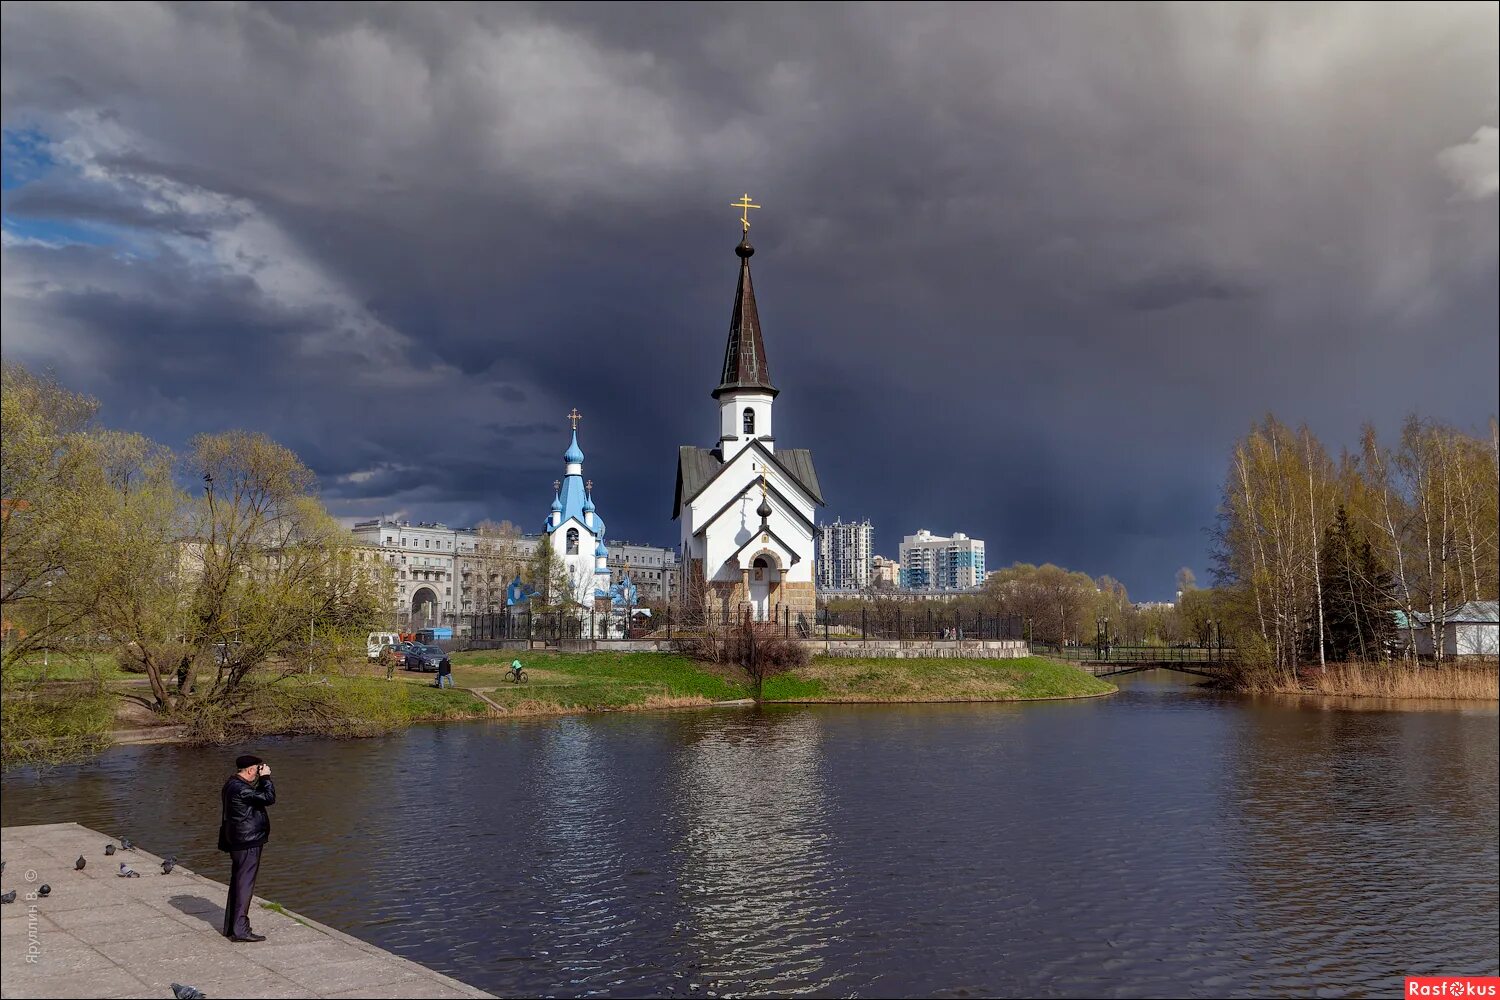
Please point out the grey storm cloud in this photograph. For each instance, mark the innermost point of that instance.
(1024, 271)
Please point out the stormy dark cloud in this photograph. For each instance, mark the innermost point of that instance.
(1024, 272)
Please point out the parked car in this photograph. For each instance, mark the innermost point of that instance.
(424, 657)
(376, 641)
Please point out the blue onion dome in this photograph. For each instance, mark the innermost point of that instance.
(600, 550)
(574, 454)
(556, 502)
(588, 504)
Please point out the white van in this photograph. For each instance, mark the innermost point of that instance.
(379, 640)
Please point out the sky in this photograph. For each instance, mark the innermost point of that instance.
(1024, 272)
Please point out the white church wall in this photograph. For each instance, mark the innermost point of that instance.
(735, 526)
(745, 468)
(723, 543)
(732, 419)
(579, 567)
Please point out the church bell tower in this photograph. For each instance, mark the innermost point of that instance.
(745, 392)
(746, 507)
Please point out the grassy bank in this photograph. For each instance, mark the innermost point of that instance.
(1444, 682)
(68, 667)
(572, 682)
(62, 719)
(922, 680)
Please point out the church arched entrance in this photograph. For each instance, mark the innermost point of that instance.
(424, 607)
(765, 578)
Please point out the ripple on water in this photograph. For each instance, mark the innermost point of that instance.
(1163, 842)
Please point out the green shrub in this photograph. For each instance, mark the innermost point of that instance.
(49, 727)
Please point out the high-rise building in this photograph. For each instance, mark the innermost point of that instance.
(844, 552)
(941, 562)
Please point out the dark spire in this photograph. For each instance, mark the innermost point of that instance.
(745, 353)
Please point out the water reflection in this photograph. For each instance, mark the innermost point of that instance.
(1164, 841)
(753, 869)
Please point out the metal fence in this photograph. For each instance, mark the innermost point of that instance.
(928, 625)
(478, 631)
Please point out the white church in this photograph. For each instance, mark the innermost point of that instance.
(575, 530)
(747, 507)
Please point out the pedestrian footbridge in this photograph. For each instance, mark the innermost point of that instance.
(1104, 659)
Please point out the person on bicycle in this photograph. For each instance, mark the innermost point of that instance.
(515, 669)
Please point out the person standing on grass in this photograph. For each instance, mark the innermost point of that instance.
(445, 671)
(244, 828)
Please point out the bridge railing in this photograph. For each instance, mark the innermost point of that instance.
(1112, 653)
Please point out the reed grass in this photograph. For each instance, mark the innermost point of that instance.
(1467, 681)
(1443, 682)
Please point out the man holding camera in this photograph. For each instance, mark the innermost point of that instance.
(244, 829)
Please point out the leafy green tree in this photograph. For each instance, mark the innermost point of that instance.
(549, 579)
(52, 481)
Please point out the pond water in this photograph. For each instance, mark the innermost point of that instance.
(1162, 841)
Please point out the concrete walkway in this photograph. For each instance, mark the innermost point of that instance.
(99, 935)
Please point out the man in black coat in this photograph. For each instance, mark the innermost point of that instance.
(244, 829)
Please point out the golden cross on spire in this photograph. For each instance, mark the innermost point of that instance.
(574, 417)
(744, 205)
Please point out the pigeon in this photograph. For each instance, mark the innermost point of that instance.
(182, 992)
(79, 864)
(109, 849)
(9, 897)
(168, 865)
(128, 872)
(126, 845)
(45, 890)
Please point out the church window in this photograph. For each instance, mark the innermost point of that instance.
(572, 541)
(749, 420)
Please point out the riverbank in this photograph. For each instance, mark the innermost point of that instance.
(572, 682)
(834, 679)
(1393, 681)
(71, 719)
(97, 935)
